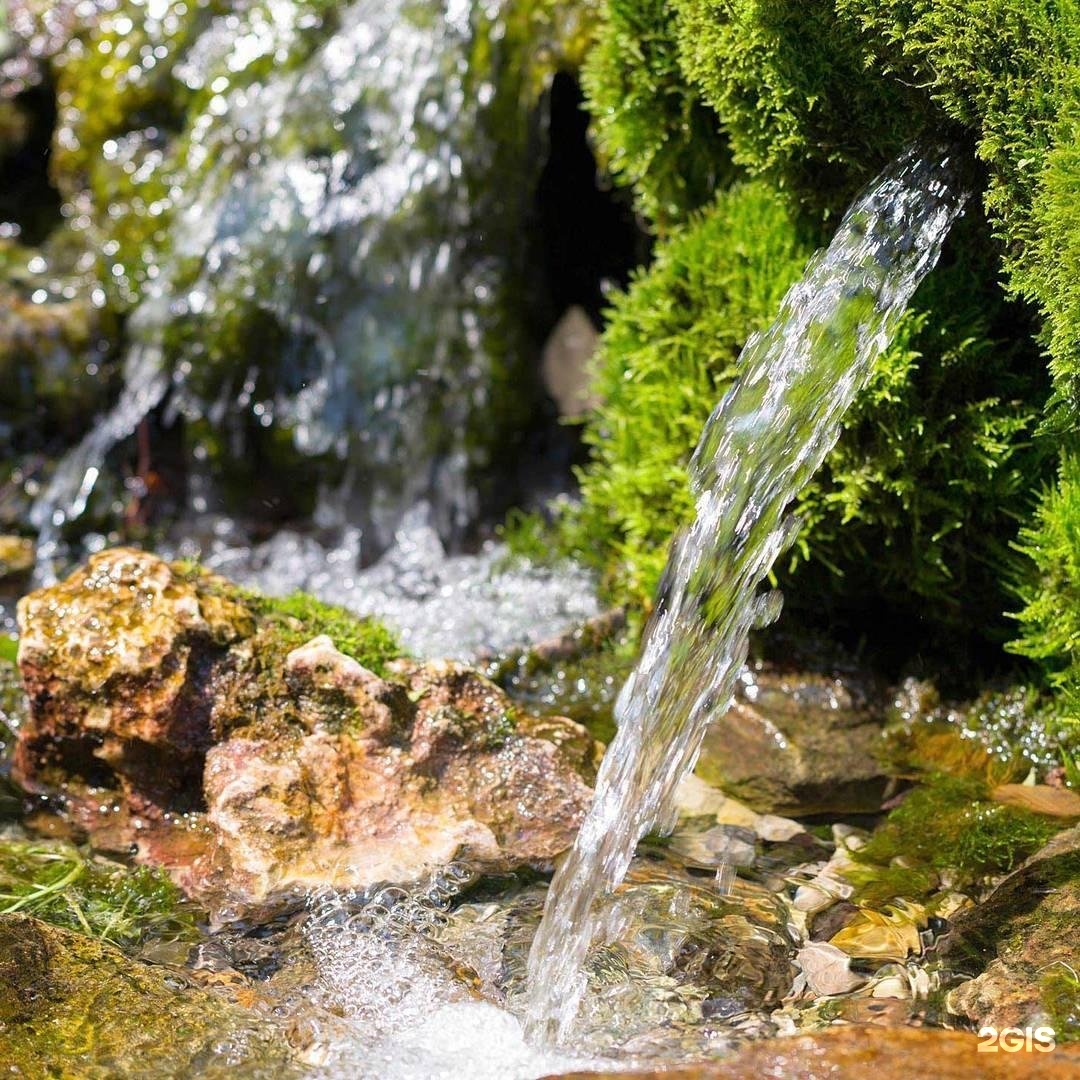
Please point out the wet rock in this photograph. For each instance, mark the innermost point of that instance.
(426, 772)
(851, 1052)
(1019, 938)
(567, 354)
(214, 733)
(16, 557)
(797, 744)
(73, 1006)
(826, 970)
(116, 661)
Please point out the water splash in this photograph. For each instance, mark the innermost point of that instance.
(65, 496)
(762, 443)
(406, 1016)
(457, 606)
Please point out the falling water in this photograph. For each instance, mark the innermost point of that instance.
(349, 202)
(762, 443)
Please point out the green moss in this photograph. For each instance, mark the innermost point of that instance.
(667, 355)
(1061, 1000)
(1009, 72)
(945, 826)
(1050, 591)
(651, 127)
(918, 502)
(287, 623)
(61, 885)
(789, 83)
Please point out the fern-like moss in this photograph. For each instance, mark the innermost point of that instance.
(652, 128)
(918, 502)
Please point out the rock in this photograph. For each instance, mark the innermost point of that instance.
(16, 557)
(419, 779)
(826, 970)
(72, 1006)
(116, 663)
(797, 744)
(217, 734)
(1024, 932)
(1039, 799)
(565, 363)
(855, 1051)
(892, 934)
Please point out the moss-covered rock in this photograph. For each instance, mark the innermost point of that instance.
(1021, 944)
(789, 83)
(78, 1009)
(918, 502)
(226, 737)
(653, 130)
(946, 832)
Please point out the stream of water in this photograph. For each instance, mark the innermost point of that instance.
(762, 443)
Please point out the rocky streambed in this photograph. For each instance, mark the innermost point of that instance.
(253, 836)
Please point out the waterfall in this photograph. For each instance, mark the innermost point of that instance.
(762, 443)
(340, 227)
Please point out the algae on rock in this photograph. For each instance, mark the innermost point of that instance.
(225, 737)
(77, 1008)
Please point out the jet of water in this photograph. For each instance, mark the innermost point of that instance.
(763, 442)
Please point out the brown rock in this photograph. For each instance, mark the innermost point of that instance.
(797, 744)
(166, 713)
(857, 1051)
(426, 772)
(1026, 929)
(115, 662)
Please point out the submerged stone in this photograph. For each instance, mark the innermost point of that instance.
(797, 744)
(71, 1006)
(216, 733)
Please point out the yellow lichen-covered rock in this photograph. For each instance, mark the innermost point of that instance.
(254, 746)
(114, 661)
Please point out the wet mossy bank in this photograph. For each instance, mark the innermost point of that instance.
(909, 541)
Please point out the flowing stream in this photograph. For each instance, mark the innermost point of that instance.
(762, 443)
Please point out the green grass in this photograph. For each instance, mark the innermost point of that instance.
(60, 884)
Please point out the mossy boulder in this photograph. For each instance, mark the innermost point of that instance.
(915, 509)
(228, 738)
(1022, 942)
(917, 504)
(78, 1009)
